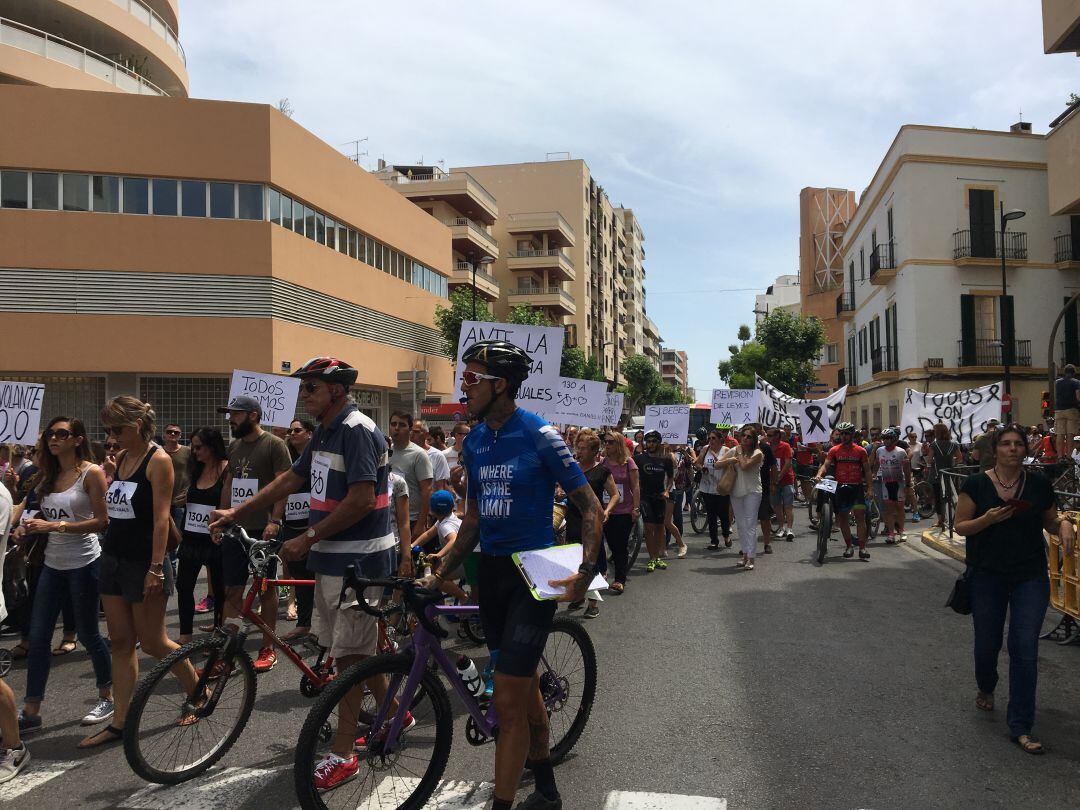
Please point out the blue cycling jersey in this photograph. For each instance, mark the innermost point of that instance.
(512, 474)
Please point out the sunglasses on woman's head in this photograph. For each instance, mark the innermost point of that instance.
(472, 377)
(60, 434)
(114, 430)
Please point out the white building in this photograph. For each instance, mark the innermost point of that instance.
(922, 292)
(781, 294)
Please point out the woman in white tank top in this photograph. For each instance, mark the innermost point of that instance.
(72, 492)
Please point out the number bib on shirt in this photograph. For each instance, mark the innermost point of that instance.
(29, 514)
(320, 472)
(197, 519)
(118, 500)
(607, 496)
(243, 490)
(298, 507)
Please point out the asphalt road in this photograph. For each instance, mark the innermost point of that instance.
(846, 685)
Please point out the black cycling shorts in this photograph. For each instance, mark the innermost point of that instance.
(892, 491)
(654, 509)
(516, 624)
(848, 497)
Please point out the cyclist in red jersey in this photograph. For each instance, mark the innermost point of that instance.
(850, 465)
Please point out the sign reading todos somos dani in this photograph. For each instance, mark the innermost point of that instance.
(276, 394)
(20, 412)
(965, 413)
(544, 346)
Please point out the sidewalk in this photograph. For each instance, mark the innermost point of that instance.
(940, 541)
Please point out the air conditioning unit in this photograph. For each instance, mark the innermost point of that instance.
(935, 362)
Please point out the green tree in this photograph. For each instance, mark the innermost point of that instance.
(573, 363)
(744, 333)
(592, 370)
(448, 320)
(667, 394)
(528, 316)
(641, 379)
(783, 352)
(1073, 99)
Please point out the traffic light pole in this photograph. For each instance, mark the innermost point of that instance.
(1050, 348)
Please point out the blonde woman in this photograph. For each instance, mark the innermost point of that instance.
(134, 579)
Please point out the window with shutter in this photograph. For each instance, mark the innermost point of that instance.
(982, 222)
(967, 330)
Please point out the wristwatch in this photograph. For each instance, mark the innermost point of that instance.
(62, 527)
(310, 535)
(587, 569)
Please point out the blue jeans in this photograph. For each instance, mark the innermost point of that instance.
(82, 585)
(992, 595)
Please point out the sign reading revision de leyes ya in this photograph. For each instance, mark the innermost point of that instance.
(673, 422)
(733, 406)
(276, 394)
(544, 346)
(20, 412)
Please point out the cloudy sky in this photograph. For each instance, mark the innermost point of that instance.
(705, 117)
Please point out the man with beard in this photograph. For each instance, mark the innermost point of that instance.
(256, 458)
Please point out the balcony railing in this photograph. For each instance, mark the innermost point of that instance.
(883, 257)
(845, 302)
(147, 16)
(436, 175)
(468, 268)
(977, 245)
(987, 352)
(530, 254)
(883, 358)
(472, 225)
(1067, 248)
(68, 53)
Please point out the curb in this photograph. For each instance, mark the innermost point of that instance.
(940, 541)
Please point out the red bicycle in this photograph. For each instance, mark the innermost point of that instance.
(170, 736)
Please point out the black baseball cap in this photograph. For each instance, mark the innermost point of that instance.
(242, 403)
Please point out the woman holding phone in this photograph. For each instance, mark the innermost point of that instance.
(1002, 512)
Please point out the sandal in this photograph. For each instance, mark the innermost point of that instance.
(984, 701)
(109, 734)
(1029, 745)
(296, 634)
(616, 587)
(20, 650)
(65, 647)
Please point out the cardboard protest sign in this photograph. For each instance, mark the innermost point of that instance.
(276, 394)
(543, 344)
(733, 406)
(673, 422)
(777, 409)
(964, 412)
(20, 412)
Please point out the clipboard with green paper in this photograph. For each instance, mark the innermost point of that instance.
(553, 563)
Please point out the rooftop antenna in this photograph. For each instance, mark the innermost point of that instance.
(357, 154)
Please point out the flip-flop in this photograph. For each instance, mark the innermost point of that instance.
(65, 647)
(113, 733)
(1029, 744)
(984, 702)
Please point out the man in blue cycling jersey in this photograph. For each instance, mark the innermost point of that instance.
(513, 459)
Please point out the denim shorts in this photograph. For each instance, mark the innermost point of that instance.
(783, 495)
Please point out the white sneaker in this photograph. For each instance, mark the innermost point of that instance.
(13, 760)
(100, 713)
(789, 535)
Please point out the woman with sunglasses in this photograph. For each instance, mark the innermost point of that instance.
(620, 521)
(73, 512)
(206, 472)
(717, 506)
(747, 459)
(297, 510)
(134, 579)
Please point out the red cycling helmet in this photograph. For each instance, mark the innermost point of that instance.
(328, 368)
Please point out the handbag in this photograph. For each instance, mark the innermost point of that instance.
(727, 480)
(960, 598)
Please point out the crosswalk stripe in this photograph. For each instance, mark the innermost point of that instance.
(634, 800)
(450, 795)
(230, 787)
(34, 776)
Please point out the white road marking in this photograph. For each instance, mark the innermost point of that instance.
(36, 774)
(633, 800)
(452, 795)
(230, 787)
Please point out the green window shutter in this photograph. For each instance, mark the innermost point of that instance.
(1072, 340)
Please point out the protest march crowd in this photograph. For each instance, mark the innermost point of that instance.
(115, 525)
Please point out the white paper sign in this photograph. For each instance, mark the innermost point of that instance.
(818, 417)
(320, 474)
(118, 500)
(543, 344)
(20, 412)
(276, 394)
(733, 406)
(243, 490)
(673, 422)
(777, 409)
(298, 506)
(826, 485)
(613, 408)
(197, 518)
(577, 402)
(964, 412)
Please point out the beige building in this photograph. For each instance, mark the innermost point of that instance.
(151, 243)
(544, 235)
(785, 293)
(673, 369)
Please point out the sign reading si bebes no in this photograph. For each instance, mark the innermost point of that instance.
(276, 394)
(673, 422)
(20, 412)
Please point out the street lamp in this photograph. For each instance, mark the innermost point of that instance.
(483, 260)
(1007, 342)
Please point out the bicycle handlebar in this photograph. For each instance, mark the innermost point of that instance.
(416, 597)
(259, 551)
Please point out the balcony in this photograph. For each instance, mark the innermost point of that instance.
(976, 247)
(469, 237)
(487, 286)
(554, 261)
(545, 223)
(1067, 251)
(845, 306)
(883, 263)
(146, 15)
(883, 359)
(987, 352)
(1063, 169)
(456, 188)
(555, 299)
(57, 49)
(1061, 26)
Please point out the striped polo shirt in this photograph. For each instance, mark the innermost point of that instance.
(349, 450)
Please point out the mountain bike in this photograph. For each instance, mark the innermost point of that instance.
(699, 519)
(402, 740)
(924, 495)
(171, 736)
(825, 510)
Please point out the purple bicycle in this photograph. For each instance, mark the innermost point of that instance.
(386, 722)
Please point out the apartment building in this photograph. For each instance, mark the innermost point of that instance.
(151, 243)
(545, 235)
(784, 293)
(922, 270)
(673, 369)
(824, 214)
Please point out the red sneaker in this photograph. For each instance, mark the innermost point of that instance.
(409, 722)
(266, 660)
(333, 771)
(205, 605)
(215, 672)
